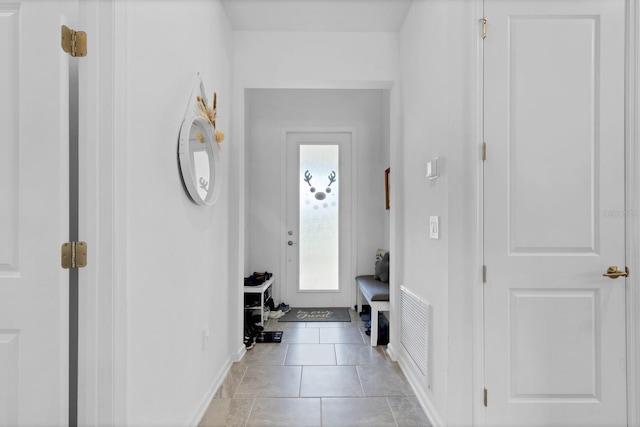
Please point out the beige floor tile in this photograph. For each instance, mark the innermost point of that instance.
(227, 413)
(327, 324)
(341, 335)
(408, 412)
(317, 376)
(301, 335)
(330, 381)
(274, 325)
(285, 412)
(311, 354)
(356, 412)
(231, 382)
(270, 381)
(360, 354)
(384, 381)
(265, 354)
(366, 338)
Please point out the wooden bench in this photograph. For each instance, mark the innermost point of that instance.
(377, 295)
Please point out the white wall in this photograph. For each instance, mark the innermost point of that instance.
(309, 59)
(177, 271)
(438, 98)
(268, 111)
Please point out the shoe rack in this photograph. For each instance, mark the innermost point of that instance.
(250, 301)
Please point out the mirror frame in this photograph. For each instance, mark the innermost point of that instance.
(185, 156)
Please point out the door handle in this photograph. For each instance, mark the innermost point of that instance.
(614, 273)
(290, 243)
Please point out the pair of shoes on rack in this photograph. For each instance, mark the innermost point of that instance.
(264, 276)
(253, 281)
(249, 339)
(251, 331)
(269, 303)
(257, 279)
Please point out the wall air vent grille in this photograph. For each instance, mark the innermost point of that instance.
(415, 330)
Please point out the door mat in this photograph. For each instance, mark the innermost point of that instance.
(331, 314)
(269, 336)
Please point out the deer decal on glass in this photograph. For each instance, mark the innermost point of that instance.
(320, 195)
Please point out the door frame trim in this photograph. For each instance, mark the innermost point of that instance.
(102, 370)
(632, 206)
(238, 179)
(478, 381)
(354, 200)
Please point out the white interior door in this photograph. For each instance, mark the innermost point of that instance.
(34, 218)
(318, 234)
(554, 213)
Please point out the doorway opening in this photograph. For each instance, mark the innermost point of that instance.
(314, 181)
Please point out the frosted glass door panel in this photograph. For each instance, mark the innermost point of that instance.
(319, 218)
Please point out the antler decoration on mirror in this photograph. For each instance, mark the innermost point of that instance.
(210, 114)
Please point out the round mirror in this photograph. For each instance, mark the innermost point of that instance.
(199, 159)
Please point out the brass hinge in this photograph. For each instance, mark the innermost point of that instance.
(484, 28)
(74, 255)
(484, 151)
(73, 42)
(484, 274)
(485, 397)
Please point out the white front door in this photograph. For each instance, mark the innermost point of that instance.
(554, 213)
(34, 308)
(318, 234)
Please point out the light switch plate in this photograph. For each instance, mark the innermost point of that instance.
(432, 169)
(434, 227)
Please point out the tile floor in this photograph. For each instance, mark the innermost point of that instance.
(322, 374)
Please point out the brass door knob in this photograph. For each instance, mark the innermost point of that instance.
(613, 272)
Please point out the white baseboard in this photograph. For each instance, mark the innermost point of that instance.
(208, 397)
(391, 352)
(425, 402)
(239, 354)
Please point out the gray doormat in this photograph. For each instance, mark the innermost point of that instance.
(323, 314)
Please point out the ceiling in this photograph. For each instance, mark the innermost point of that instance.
(317, 15)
